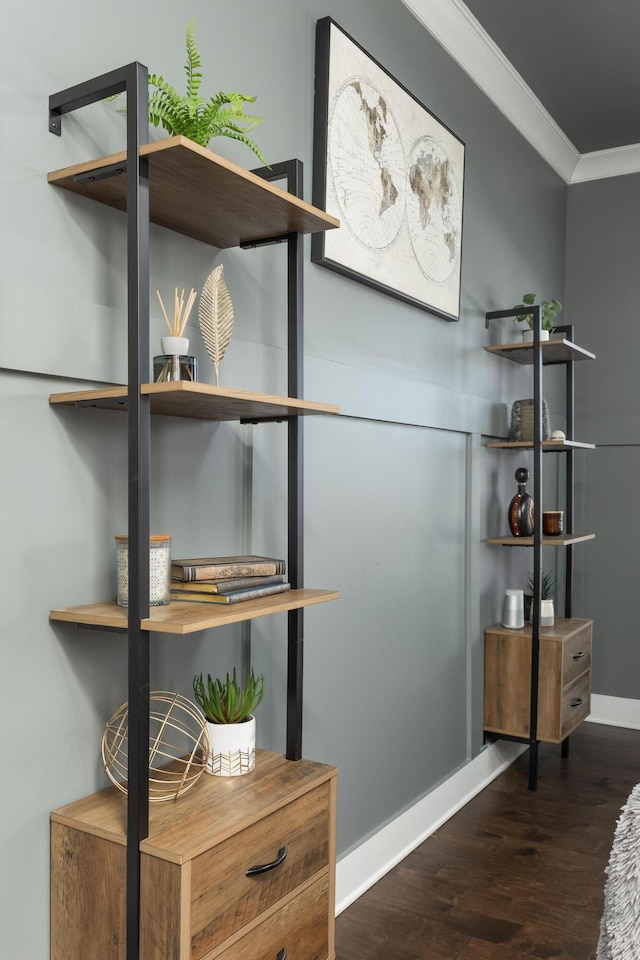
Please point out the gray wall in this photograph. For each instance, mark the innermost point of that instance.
(400, 491)
(602, 290)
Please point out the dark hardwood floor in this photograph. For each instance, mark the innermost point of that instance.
(515, 874)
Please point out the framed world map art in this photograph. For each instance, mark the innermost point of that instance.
(392, 173)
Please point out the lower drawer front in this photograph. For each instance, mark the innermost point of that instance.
(298, 931)
(224, 899)
(576, 704)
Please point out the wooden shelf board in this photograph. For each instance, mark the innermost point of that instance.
(564, 540)
(548, 446)
(553, 351)
(200, 401)
(181, 617)
(200, 194)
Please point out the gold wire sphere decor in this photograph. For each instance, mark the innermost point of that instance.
(178, 746)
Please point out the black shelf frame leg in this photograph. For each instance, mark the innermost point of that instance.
(532, 740)
(537, 544)
(133, 81)
(292, 172)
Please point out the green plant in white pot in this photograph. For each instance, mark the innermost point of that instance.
(549, 310)
(547, 591)
(228, 707)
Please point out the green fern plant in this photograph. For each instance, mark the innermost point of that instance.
(227, 701)
(192, 116)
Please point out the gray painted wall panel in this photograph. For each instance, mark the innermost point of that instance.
(603, 242)
(404, 475)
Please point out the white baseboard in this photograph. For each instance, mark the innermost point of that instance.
(362, 867)
(616, 711)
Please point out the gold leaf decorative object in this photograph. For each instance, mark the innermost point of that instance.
(215, 313)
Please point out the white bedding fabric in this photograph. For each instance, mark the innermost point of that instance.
(620, 924)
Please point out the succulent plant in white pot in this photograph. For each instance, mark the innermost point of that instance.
(228, 707)
(547, 591)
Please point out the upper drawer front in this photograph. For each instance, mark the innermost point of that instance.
(576, 704)
(224, 899)
(577, 654)
(300, 927)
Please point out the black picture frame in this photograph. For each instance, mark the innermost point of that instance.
(392, 173)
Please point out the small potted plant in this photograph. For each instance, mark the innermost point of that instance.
(549, 310)
(228, 707)
(547, 591)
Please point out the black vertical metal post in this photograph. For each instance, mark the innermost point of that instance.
(133, 80)
(569, 479)
(292, 171)
(138, 441)
(295, 376)
(537, 546)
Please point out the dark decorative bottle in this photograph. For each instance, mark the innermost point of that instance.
(521, 507)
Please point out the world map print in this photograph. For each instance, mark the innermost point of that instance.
(434, 211)
(367, 165)
(394, 178)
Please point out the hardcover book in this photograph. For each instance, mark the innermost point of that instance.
(215, 568)
(237, 596)
(225, 585)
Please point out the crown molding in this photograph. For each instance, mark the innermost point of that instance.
(607, 163)
(461, 35)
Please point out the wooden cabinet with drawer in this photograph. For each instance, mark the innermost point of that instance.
(564, 679)
(237, 868)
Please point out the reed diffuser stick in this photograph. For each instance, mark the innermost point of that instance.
(181, 311)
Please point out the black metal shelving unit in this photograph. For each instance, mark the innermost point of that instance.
(561, 350)
(132, 80)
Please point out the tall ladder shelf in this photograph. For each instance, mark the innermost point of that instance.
(188, 189)
(558, 350)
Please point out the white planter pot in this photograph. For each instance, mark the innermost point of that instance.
(232, 748)
(547, 617)
(527, 335)
(175, 346)
(547, 613)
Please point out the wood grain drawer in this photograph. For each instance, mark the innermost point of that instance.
(576, 655)
(224, 899)
(196, 901)
(564, 675)
(299, 927)
(576, 704)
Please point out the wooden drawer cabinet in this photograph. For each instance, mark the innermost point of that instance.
(564, 679)
(197, 901)
(301, 923)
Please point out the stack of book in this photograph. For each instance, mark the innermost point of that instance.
(227, 579)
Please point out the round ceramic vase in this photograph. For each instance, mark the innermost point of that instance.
(232, 748)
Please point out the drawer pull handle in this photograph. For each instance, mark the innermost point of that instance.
(577, 702)
(265, 867)
(282, 955)
(579, 655)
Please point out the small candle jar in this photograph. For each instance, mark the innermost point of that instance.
(552, 522)
(159, 570)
